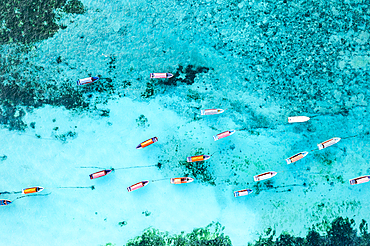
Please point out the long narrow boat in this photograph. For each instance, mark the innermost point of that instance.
(147, 143)
(223, 134)
(182, 180)
(5, 202)
(211, 111)
(137, 185)
(296, 157)
(32, 190)
(197, 158)
(87, 80)
(242, 192)
(328, 143)
(99, 174)
(264, 176)
(359, 180)
(295, 119)
(161, 75)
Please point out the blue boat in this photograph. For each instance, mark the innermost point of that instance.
(5, 202)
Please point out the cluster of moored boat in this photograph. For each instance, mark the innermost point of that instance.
(184, 180)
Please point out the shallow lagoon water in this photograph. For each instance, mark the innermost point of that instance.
(258, 60)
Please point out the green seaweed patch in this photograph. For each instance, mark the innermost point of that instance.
(74, 7)
(210, 235)
(12, 117)
(66, 136)
(142, 121)
(193, 96)
(199, 170)
(149, 91)
(122, 223)
(146, 213)
(340, 232)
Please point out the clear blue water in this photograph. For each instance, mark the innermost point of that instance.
(260, 61)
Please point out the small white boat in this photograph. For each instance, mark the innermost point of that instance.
(264, 176)
(242, 192)
(296, 157)
(295, 119)
(161, 75)
(211, 111)
(359, 180)
(328, 143)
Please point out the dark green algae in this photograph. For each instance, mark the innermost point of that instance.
(340, 232)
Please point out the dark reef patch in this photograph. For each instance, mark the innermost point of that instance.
(340, 232)
(190, 73)
(211, 235)
(30, 21)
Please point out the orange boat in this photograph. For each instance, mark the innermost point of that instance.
(99, 174)
(147, 143)
(32, 190)
(296, 157)
(359, 180)
(264, 176)
(197, 158)
(138, 185)
(5, 202)
(242, 192)
(182, 180)
(328, 143)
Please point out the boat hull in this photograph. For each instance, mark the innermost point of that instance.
(296, 157)
(197, 158)
(211, 111)
(359, 180)
(147, 143)
(161, 75)
(99, 174)
(242, 192)
(297, 119)
(328, 143)
(264, 176)
(183, 180)
(86, 81)
(32, 190)
(223, 135)
(137, 185)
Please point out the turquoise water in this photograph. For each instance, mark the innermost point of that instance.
(260, 61)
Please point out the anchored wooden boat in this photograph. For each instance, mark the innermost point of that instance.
(147, 143)
(295, 119)
(242, 192)
(328, 143)
(359, 180)
(223, 135)
(161, 75)
(211, 111)
(32, 190)
(296, 157)
(182, 180)
(100, 174)
(197, 158)
(87, 80)
(264, 176)
(138, 185)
